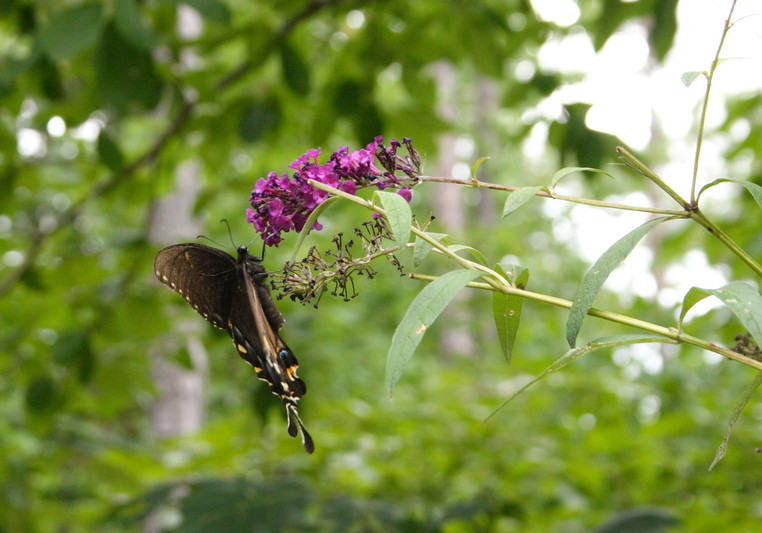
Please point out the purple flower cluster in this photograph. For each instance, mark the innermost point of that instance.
(284, 203)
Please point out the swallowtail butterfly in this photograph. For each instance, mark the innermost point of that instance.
(231, 294)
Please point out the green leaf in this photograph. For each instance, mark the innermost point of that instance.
(70, 31)
(130, 25)
(74, 351)
(476, 166)
(476, 254)
(422, 248)
(295, 71)
(723, 447)
(691, 298)
(753, 188)
(367, 122)
(259, 119)
(561, 174)
(517, 275)
(109, 152)
(212, 10)
(398, 214)
(310, 222)
(506, 308)
(640, 520)
(421, 314)
(741, 298)
(69, 345)
(519, 197)
(662, 33)
(612, 341)
(124, 74)
(597, 275)
(41, 395)
(575, 353)
(348, 97)
(51, 80)
(689, 77)
(258, 505)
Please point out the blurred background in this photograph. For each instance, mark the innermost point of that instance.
(129, 125)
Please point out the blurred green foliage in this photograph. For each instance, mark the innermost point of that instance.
(236, 89)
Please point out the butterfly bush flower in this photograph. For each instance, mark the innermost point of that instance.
(282, 203)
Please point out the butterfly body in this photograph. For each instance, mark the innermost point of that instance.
(230, 293)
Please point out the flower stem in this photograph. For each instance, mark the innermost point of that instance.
(673, 334)
(725, 239)
(545, 194)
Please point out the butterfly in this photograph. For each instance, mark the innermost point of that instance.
(231, 294)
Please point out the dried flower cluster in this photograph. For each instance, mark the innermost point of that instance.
(308, 279)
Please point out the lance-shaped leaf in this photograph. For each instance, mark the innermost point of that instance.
(597, 275)
(296, 72)
(476, 166)
(519, 197)
(506, 308)
(741, 298)
(421, 314)
(575, 353)
(561, 174)
(723, 447)
(476, 254)
(311, 222)
(398, 214)
(422, 247)
(754, 189)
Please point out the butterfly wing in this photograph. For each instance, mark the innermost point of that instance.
(231, 295)
(275, 362)
(206, 277)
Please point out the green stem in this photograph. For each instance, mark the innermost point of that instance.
(545, 194)
(438, 246)
(691, 210)
(638, 166)
(725, 239)
(705, 105)
(669, 333)
(493, 281)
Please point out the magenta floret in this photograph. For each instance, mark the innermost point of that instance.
(283, 203)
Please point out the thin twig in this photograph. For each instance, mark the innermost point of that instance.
(702, 120)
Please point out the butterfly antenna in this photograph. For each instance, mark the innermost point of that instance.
(291, 410)
(230, 232)
(210, 240)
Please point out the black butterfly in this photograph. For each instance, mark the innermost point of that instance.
(231, 294)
